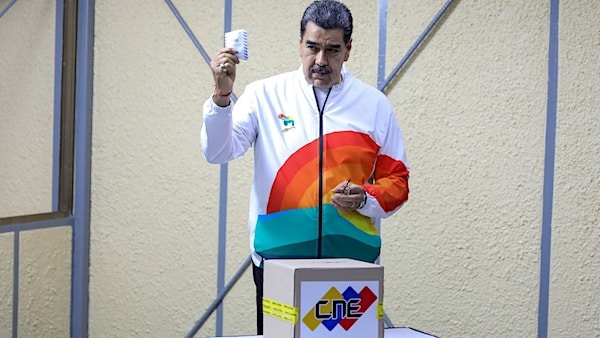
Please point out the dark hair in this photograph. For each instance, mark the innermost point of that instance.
(328, 14)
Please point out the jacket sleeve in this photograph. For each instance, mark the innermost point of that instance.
(389, 188)
(227, 132)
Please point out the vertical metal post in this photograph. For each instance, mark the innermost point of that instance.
(383, 6)
(82, 168)
(223, 205)
(67, 106)
(16, 257)
(58, 63)
(550, 150)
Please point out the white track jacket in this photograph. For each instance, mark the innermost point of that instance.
(301, 154)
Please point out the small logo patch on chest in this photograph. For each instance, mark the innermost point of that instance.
(287, 122)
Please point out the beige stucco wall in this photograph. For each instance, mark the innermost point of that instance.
(464, 254)
(575, 283)
(461, 257)
(27, 49)
(44, 283)
(26, 107)
(6, 282)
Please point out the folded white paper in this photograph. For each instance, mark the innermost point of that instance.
(238, 40)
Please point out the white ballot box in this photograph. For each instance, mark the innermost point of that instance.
(322, 298)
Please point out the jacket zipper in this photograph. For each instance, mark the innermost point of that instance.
(321, 164)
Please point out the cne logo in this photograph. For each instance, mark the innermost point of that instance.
(343, 309)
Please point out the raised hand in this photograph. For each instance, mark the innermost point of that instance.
(223, 66)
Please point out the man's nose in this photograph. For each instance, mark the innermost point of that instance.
(321, 60)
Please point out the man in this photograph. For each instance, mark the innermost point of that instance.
(329, 154)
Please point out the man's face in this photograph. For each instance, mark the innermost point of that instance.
(323, 53)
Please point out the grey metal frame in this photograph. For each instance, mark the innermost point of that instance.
(71, 156)
(549, 159)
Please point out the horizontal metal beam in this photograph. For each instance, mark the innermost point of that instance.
(41, 221)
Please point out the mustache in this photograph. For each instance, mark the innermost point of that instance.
(320, 69)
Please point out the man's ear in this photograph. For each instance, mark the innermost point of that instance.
(348, 48)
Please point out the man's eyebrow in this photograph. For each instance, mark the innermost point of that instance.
(312, 43)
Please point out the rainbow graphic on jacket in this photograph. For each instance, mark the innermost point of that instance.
(290, 227)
